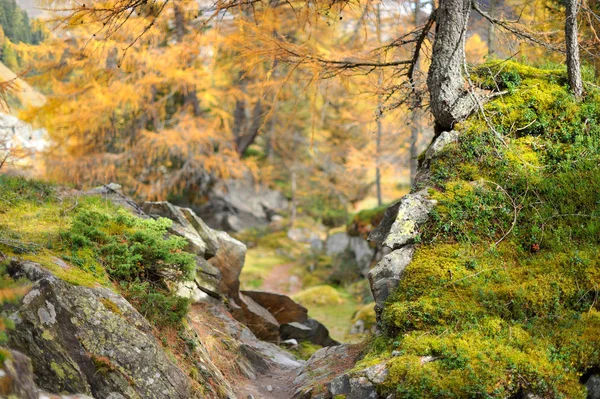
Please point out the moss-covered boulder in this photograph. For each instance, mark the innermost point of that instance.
(90, 341)
(500, 296)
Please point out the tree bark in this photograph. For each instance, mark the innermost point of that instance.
(450, 101)
(571, 37)
(415, 128)
(379, 126)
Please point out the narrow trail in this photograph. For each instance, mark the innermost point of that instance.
(276, 383)
(281, 280)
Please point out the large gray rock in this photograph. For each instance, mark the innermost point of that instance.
(229, 260)
(357, 247)
(413, 211)
(89, 341)
(309, 330)
(180, 227)
(207, 234)
(363, 253)
(236, 205)
(385, 276)
(337, 243)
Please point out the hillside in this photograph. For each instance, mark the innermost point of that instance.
(494, 255)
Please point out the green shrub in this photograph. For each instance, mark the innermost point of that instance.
(136, 253)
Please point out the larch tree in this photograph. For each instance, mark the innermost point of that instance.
(572, 44)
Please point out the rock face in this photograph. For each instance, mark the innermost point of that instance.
(229, 260)
(181, 225)
(397, 232)
(89, 341)
(236, 205)
(309, 330)
(385, 276)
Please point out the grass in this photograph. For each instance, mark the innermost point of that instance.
(260, 262)
(332, 307)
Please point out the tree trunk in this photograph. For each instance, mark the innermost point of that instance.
(379, 127)
(492, 31)
(415, 128)
(450, 101)
(571, 36)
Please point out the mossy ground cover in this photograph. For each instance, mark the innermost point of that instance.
(87, 240)
(502, 293)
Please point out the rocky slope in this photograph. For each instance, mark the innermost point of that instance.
(488, 286)
(83, 329)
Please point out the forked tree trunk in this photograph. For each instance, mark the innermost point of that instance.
(573, 64)
(450, 99)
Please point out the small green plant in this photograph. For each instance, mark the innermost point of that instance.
(135, 253)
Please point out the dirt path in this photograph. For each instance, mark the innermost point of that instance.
(281, 280)
(277, 383)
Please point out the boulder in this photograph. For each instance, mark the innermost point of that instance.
(340, 244)
(208, 278)
(229, 260)
(413, 211)
(114, 193)
(235, 205)
(282, 307)
(207, 234)
(337, 243)
(385, 276)
(309, 330)
(363, 253)
(180, 227)
(256, 318)
(89, 341)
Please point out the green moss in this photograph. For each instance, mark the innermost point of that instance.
(501, 292)
(110, 305)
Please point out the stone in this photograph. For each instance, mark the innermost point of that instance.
(438, 145)
(593, 386)
(89, 341)
(363, 253)
(413, 211)
(385, 276)
(16, 377)
(290, 343)
(361, 388)
(282, 307)
(229, 260)
(337, 243)
(190, 290)
(207, 234)
(235, 205)
(180, 227)
(258, 319)
(310, 330)
(339, 385)
(316, 245)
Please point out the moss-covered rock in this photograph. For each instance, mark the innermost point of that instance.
(78, 344)
(501, 294)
